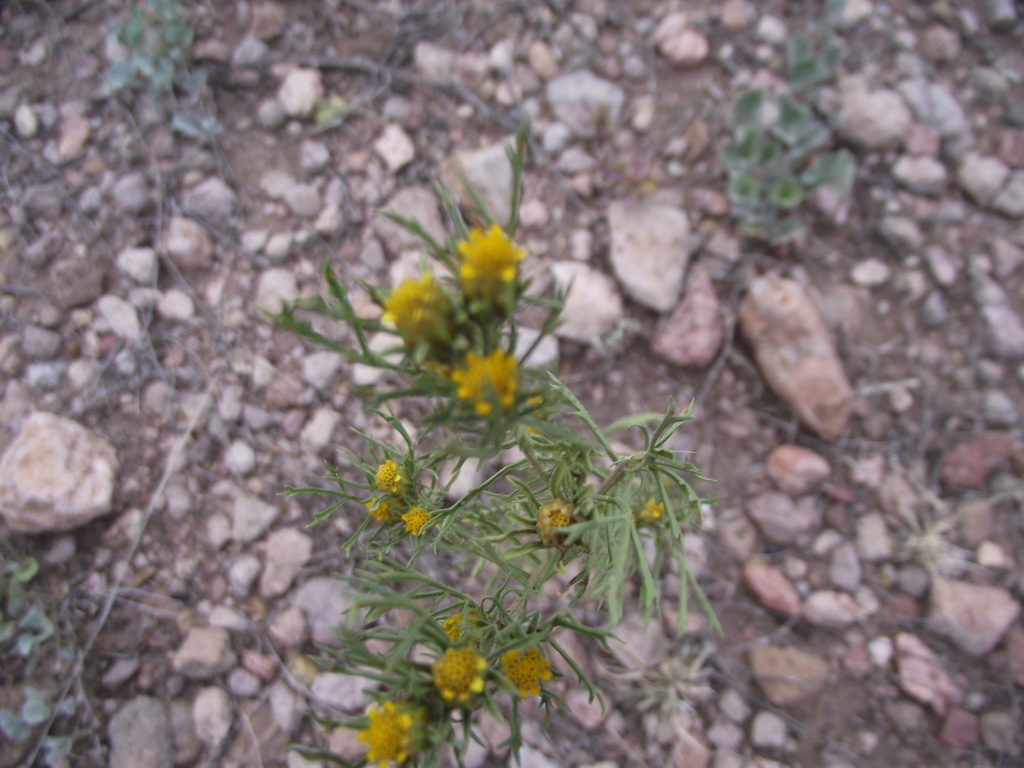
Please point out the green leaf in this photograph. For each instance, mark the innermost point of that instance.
(749, 142)
(634, 420)
(36, 708)
(120, 74)
(830, 15)
(194, 82)
(745, 151)
(836, 169)
(793, 122)
(133, 29)
(828, 59)
(786, 230)
(798, 51)
(195, 126)
(13, 726)
(803, 75)
(37, 620)
(26, 570)
(56, 748)
(746, 112)
(743, 188)
(15, 598)
(770, 150)
(329, 109)
(786, 192)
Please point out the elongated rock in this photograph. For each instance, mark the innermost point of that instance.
(692, 334)
(795, 353)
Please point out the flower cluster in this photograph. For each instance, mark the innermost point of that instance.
(486, 382)
(488, 269)
(454, 324)
(526, 670)
(552, 518)
(389, 736)
(394, 729)
(650, 513)
(457, 675)
(394, 506)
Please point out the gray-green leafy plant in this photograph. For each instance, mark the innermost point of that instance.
(25, 628)
(158, 38)
(777, 157)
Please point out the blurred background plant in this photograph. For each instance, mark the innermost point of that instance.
(152, 49)
(777, 156)
(27, 647)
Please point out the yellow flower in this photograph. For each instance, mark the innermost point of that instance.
(453, 625)
(415, 519)
(420, 311)
(381, 510)
(550, 518)
(457, 674)
(486, 380)
(526, 670)
(388, 734)
(651, 512)
(489, 267)
(388, 479)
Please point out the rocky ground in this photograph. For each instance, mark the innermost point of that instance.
(858, 396)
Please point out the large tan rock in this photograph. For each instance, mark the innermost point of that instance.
(788, 675)
(649, 250)
(795, 353)
(55, 476)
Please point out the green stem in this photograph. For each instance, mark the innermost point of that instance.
(584, 416)
(616, 475)
(535, 582)
(531, 457)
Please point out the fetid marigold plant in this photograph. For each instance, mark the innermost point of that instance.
(558, 502)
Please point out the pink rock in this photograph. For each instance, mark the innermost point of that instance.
(680, 43)
(1015, 649)
(689, 751)
(922, 677)
(856, 660)
(771, 588)
(735, 15)
(788, 675)
(973, 616)
(187, 244)
(968, 465)
(828, 608)
(590, 712)
(795, 354)
(263, 665)
(796, 470)
(960, 729)
(781, 519)
(1011, 147)
(692, 335)
(74, 131)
